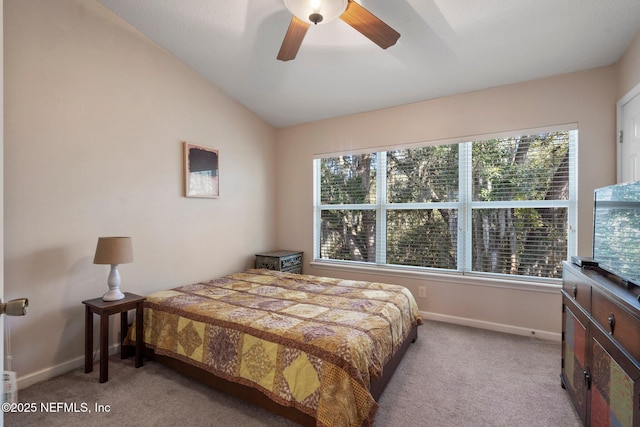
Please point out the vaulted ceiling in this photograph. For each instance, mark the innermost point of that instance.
(446, 47)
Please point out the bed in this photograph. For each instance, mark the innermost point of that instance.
(313, 349)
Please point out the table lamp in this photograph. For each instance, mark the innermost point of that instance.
(114, 251)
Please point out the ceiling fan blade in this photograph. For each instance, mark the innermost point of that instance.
(293, 39)
(369, 25)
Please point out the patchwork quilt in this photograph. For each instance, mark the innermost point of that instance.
(310, 342)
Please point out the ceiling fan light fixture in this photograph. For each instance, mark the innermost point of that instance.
(316, 11)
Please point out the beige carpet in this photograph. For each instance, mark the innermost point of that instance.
(452, 376)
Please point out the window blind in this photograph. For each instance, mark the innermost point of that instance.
(502, 205)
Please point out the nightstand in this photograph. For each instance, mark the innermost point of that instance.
(105, 309)
(290, 261)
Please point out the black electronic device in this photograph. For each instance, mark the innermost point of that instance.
(582, 261)
(616, 230)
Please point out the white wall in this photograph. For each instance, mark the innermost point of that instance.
(95, 114)
(586, 98)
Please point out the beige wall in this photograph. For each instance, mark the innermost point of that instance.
(629, 67)
(95, 116)
(586, 98)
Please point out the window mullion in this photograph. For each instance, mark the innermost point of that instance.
(572, 228)
(465, 199)
(316, 208)
(381, 209)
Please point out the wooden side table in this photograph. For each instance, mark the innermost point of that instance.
(105, 309)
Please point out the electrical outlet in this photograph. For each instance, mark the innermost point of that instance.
(422, 291)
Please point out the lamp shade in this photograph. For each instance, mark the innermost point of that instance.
(327, 9)
(113, 250)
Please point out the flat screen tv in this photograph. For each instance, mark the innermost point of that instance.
(616, 231)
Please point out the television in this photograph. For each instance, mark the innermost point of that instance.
(616, 230)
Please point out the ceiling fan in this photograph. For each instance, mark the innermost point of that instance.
(307, 12)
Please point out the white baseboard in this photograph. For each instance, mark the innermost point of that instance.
(62, 368)
(51, 372)
(498, 327)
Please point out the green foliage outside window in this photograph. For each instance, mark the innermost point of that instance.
(496, 200)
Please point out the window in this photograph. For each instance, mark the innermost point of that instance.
(495, 206)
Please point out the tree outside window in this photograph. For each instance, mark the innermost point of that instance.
(492, 206)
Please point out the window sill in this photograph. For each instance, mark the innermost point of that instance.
(544, 285)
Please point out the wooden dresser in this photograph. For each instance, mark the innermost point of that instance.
(290, 261)
(601, 346)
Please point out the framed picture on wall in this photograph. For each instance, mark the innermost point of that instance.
(201, 171)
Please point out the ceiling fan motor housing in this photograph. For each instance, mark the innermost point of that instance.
(307, 12)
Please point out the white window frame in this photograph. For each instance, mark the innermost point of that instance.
(463, 205)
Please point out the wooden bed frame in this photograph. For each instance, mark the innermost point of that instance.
(254, 396)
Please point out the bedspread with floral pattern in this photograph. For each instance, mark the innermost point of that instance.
(310, 342)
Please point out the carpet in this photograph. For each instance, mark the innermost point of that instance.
(452, 376)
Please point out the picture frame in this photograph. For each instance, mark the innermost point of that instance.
(201, 171)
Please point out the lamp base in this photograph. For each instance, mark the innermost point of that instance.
(113, 295)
